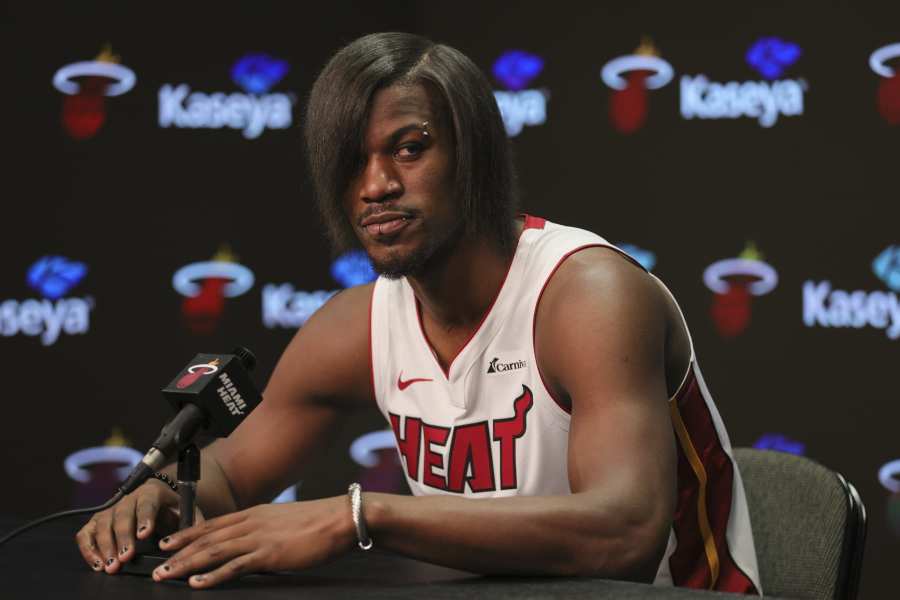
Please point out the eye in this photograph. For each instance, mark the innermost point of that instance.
(409, 151)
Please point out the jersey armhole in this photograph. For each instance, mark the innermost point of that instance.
(691, 360)
(371, 348)
(687, 330)
(567, 409)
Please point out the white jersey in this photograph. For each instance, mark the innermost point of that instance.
(487, 426)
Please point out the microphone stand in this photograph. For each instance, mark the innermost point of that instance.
(188, 476)
(147, 555)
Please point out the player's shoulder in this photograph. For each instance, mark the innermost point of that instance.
(353, 299)
(599, 293)
(600, 276)
(329, 355)
(346, 308)
(598, 309)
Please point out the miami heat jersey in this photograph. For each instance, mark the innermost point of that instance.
(487, 427)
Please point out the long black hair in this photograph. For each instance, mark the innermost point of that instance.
(336, 121)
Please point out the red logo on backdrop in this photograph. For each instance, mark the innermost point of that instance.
(86, 84)
(889, 476)
(195, 372)
(889, 86)
(99, 469)
(630, 77)
(205, 285)
(376, 453)
(735, 281)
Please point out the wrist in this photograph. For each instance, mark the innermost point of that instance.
(344, 530)
(159, 485)
(376, 511)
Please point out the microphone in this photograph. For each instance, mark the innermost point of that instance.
(213, 393)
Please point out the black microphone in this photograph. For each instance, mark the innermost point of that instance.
(213, 393)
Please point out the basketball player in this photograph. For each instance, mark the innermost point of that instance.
(542, 387)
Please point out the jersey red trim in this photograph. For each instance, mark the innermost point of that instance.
(702, 558)
(532, 222)
(484, 317)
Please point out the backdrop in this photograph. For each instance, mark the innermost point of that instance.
(157, 204)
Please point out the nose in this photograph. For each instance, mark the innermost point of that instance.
(379, 181)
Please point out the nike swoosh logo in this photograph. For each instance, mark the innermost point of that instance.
(402, 385)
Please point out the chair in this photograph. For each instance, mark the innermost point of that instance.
(809, 525)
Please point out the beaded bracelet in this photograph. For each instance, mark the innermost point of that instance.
(166, 480)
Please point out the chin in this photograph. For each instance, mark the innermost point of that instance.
(412, 256)
(394, 264)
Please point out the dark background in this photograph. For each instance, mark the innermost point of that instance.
(816, 193)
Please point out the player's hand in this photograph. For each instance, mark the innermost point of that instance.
(107, 540)
(264, 538)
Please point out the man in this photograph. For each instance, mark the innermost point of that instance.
(542, 388)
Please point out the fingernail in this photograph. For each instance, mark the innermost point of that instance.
(123, 550)
(110, 561)
(97, 565)
(142, 528)
(166, 540)
(199, 578)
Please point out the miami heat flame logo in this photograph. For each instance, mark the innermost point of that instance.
(889, 86)
(84, 108)
(205, 285)
(98, 469)
(195, 372)
(735, 281)
(889, 476)
(630, 77)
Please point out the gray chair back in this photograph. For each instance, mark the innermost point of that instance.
(809, 525)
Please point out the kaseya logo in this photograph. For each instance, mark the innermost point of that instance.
(630, 77)
(86, 84)
(55, 313)
(251, 112)
(520, 106)
(735, 281)
(764, 101)
(206, 285)
(284, 306)
(780, 443)
(827, 306)
(889, 85)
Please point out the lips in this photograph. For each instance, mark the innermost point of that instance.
(385, 224)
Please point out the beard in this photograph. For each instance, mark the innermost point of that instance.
(423, 257)
(396, 265)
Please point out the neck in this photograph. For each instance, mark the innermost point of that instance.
(457, 292)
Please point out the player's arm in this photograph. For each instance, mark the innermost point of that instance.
(600, 343)
(323, 372)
